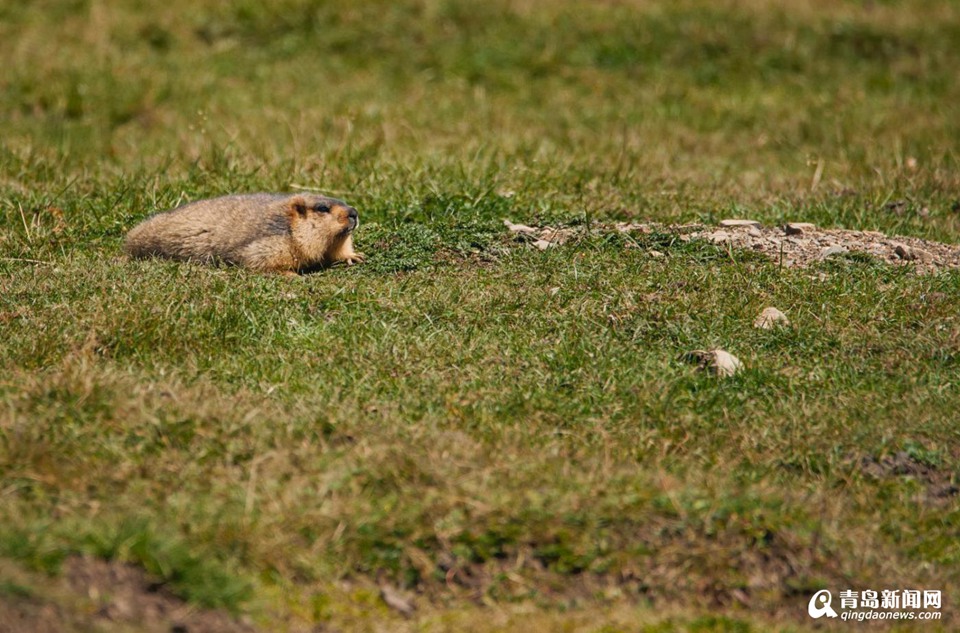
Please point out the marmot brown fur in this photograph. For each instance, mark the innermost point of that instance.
(286, 233)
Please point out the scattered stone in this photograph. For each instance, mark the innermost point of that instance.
(830, 251)
(655, 254)
(733, 223)
(754, 232)
(799, 228)
(543, 238)
(913, 253)
(717, 361)
(631, 227)
(770, 318)
(720, 237)
(556, 236)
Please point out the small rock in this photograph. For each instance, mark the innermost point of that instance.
(910, 253)
(725, 364)
(396, 601)
(719, 237)
(754, 232)
(770, 318)
(733, 223)
(543, 244)
(519, 228)
(717, 361)
(830, 251)
(655, 254)
(556, 236)
(630, 227)
(799, 228)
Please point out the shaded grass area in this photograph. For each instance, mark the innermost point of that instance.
(478, 423)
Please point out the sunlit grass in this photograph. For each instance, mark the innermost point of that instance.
(469, 419)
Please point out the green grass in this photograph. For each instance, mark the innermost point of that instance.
(493, 428)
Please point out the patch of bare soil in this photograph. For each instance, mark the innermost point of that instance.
(767, 571)
(800, 244)
(940, 485)
(22, 614)
(99, 595)
(795, 244)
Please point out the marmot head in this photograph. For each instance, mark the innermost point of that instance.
(322, 215)
(319, 226)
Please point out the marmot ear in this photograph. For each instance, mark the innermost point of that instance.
(298, 204)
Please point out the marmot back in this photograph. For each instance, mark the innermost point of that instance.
(264, 232)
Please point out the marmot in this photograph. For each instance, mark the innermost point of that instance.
(285, 233)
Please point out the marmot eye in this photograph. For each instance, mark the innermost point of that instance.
(322, 208)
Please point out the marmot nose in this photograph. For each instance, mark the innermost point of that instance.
(351, 213)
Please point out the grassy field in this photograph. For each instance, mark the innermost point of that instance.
(507, 437)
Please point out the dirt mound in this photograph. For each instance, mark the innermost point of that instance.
(795, 244)
(802, 244)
